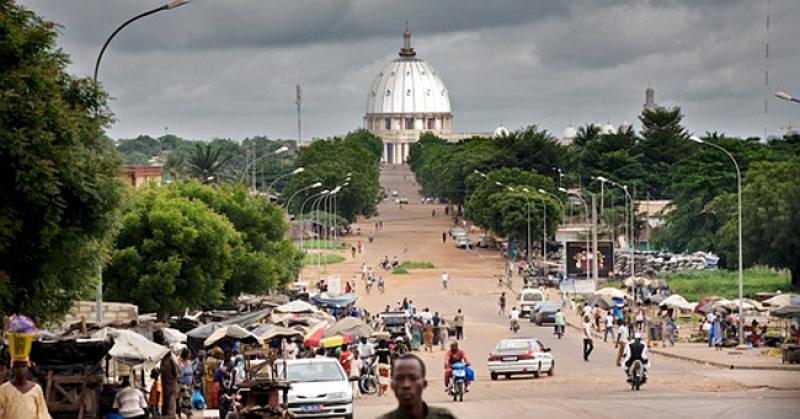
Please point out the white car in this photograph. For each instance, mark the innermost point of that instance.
(520, 356)
(528, 298)
(320, 388)
(463, 242)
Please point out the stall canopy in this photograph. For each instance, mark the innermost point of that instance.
(339, 301)
(783, 300)
(296, 306)
(676, 301)
(349, 326)
(610, 292)
(603, 301)
(787, 311)
(132, 348)
(232, 332)
(269, 331)
(314, 334)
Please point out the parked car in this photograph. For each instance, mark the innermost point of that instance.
(463, 242)
(402, 200)
(527, 298)
(457, 231)
(395, 193)
(320, 388)
(522, 355)
(486, 241)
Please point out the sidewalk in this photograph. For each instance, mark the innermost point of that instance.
(729, 358)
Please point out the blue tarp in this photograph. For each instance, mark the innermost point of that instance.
(341, 301)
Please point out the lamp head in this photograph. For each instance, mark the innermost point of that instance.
(282, 149)
(542, 191)
(783, 95)
(601, 179)
(298, 170)
(562, 190)
(176, 3)
(316, 185)
(499, 184)
(510, 189)
(525, 190)
(696, 139)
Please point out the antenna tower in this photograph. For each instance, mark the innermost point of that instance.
(299, 103)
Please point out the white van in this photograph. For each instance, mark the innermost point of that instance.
(527, 298)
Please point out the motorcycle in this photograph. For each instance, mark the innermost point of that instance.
(559, 331)
(636, 375)
(515, 326)
(458, 381)
(368, 384)
(231, 405)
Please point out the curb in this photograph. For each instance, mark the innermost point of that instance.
(716, 364)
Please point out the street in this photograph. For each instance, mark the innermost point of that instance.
(597, 389)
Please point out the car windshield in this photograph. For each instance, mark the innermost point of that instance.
(532, 297)
(313, 372)
(508, 345)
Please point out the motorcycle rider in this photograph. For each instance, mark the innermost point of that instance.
(636, 350)
(514, 316)
(451, 357)
(560, 320)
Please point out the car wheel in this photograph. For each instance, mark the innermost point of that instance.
(536, 373)
(552, 369)
(350, 416)
(493, 376)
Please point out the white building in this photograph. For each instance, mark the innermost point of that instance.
(406, 99)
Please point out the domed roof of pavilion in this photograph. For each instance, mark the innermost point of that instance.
(407, 85)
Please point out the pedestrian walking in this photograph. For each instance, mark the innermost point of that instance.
(502, 304)
(353, 251)
(445, 279)
(436, 320)
(588, 343)
(622, 341)
(428, 336)
(458, 321)
(443, 335)
(444, 237)
(609, 329)
(639, 318)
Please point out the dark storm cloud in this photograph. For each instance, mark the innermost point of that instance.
(228, 68)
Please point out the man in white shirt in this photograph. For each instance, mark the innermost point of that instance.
(587, 310)
(609, 329)
(445, 279)
(514, 316)
(622, 341)
(588, 344)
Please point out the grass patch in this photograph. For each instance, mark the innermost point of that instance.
(324, 244)
(327, 259)
(416, 264)
(400, 270)
(694, 285)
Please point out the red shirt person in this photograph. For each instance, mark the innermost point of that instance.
(451, 357)
(346, 359)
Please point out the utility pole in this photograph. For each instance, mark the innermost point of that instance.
(299, 102)
(595, 271)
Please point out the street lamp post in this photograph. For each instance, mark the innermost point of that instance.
(303, 205)
(631, 217)
(528, 210)
(312, 186)
(787, 97)
(586, 214)
(292, 173)
(280, 150)
(739, 199)
(563, 210)
(169, 5)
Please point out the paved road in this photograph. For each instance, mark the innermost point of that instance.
(594, 389)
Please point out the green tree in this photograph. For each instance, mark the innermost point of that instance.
(664, 142)
(207, 160)
(370, 141)
(172, 253)
(770, 204)
(144, 144)
(137, 159)
(61, 188)
(268, 259)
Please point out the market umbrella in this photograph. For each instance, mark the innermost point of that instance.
(706, 305)
(602, 301)
(676, 301)
(747, 305)
(783, 300)
(314, 334)
(335, 341)
(132, 348)
(610, 292)
(787, 311)
(349, 326)
(296, 306)
(232, 332)
(270, 331)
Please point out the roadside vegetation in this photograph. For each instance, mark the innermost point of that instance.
(411, 264)
(324, 244)
(694, 285)
(327, 259)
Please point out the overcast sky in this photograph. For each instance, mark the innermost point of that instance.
(227, 68)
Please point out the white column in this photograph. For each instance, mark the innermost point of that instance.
(404, 153)
(396, 153)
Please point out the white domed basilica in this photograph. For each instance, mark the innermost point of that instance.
(406, 99)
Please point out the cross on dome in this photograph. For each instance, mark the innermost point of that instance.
(407, 51)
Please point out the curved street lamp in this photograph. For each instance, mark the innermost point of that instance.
(312, 186)
(169, 5)
(631, 219)
(280, 150)
(739, 198)
(564, 213)
(787, 97)
(303, 205)
(292, 173)
(586, 209)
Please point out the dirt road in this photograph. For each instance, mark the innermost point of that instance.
(595, 389)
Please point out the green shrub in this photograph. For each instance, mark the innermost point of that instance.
(327, 259)
(694, 284)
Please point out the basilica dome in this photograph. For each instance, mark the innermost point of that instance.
(407, 85)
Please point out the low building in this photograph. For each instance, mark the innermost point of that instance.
(137, 176)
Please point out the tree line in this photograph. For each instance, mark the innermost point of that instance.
(657, 162)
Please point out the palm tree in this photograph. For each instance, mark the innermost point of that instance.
(207, 160)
